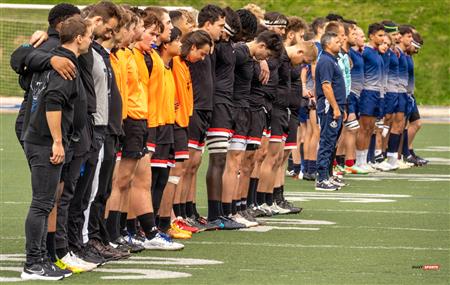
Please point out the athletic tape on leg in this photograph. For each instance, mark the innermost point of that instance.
(174, 179)
(352, 125)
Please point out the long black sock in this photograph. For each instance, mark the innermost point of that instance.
(176, 210)
(269, 199)
(123, 223)
(282, 192)
(189, 209)
(233, 207)
(340, 159)
(147, 222)
(255, 190)
(131, 226)
(226, 209)
(302, 158)
(113, 224)
(161, 176)
(251, 186)
(194, 207)
(164, 224)
(276, 194)
(183, 210)
(260, 198)
(243, 204)
(213, 210)
(61, 252)
(51, 246)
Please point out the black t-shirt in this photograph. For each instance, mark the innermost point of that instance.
(225, 62)
(284, 82)
(295, 99)
(258, 94)
(271, 86)
(202, 75)
(243, 74)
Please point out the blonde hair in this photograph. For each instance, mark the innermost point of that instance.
(309, 49)
(256, 10)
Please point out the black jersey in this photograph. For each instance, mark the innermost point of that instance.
(284, 82)
(243, 74)
(295, 99)
(258, 93)
(202, 75)
(225, 62)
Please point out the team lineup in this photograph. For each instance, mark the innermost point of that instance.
(122, 105)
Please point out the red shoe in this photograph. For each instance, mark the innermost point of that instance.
(182, 225)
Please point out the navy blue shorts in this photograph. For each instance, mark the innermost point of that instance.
(404, 103)
(353, 104)
(303, 114)
(391, 103)
(369, 103)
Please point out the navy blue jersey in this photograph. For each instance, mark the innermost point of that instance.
(411, 84)
(328, 71)
(392, 83)
(357, 71)
(402, 72)
(373, 69)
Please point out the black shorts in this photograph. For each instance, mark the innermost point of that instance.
(279, 124)
(198, 126)
(151, 139)
(241, 125)
(164, 145)
(258, 122)
(135, 139)
(291, 141)
(221, 121)
(180, 146)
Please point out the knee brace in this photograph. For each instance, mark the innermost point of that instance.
(352, 125)
(217, 144)
(174, 179)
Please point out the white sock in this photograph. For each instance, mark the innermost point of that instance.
(392, 158)
(361, 157)
(378, 152)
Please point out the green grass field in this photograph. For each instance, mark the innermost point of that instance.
(428, 16)
(372, 232)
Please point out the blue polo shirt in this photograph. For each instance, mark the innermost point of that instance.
(327, 70)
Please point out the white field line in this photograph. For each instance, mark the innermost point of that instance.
(382, 211)
(287, 245)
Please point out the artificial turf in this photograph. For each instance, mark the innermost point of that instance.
(349, 237)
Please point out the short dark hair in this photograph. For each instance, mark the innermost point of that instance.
(350, 22)
(158, 11)
(275, 18)
(418, 38)
(273, 42)
(197, 38)
(326, 39)
(334, 17)
(232, 20)
(296, 24)
(374, 28)
(333, 27)
(73, 27)
(210, 13)
(106, 10)
(151, 19)
(138, 12)
(175, 15)
(61, 12)
(404, 29)
(249, 25)
(175, 33)
(317, 24)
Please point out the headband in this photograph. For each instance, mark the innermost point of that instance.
(231, 32)
(390, 29)
(416, 44)
(278, 23)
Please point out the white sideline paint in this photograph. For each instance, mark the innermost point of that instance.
(344, 197)
(381, 211)
(166, 261)
(296, 221)
(137, 274)
(264, 229)
(435, 149)
(287, 245)
(390, 228)
(10, 279)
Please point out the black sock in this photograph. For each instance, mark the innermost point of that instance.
(189, 209)
(251, 186)
(177, 210)
(296, 168)
(226, 209)
(194, 207)
(269, 199)
(243, 204)
(221, 213)
(123, 221)
(233, 207)
(282, 192)
(260, 198)
(147, 222)
(164, 224)
(411, 151)
(131, 226)
(213, 210)
(160, 176)
(290, 164)
(255, 190)
(51, 246)
(61, 252)
(113, 224)
(276, 194)
(183, 210)
(340, 159)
